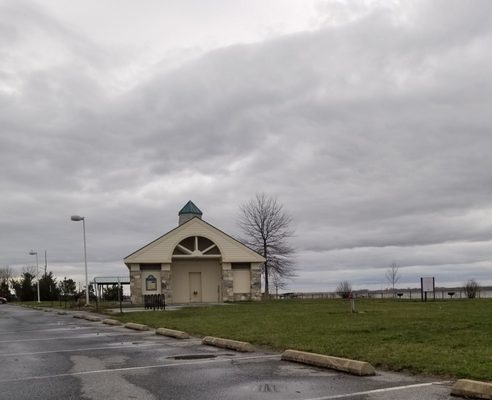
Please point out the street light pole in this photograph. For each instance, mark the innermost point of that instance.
(79, 218)
(35, 253)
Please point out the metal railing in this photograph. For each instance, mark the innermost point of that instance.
(154, 301)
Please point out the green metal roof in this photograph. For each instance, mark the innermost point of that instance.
(190, 208)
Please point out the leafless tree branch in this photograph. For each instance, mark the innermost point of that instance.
(393, 275)
(266, 229)
(6, 273)
(344, 289)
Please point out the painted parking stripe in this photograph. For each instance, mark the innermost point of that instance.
(82, 336)
(384, 390)
(133, 346)
(116, 370)
(72, 327)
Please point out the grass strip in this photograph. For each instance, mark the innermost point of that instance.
(451, 338)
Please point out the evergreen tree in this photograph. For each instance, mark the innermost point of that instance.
(25, 289)
(67, 287)
(48, 287)
(111, 293)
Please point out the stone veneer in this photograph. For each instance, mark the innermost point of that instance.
(135, 284)
(227, 286)
(166, 283)
(256, 281)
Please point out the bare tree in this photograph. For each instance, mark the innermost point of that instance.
(31, 270)
(6, 273)
(344, 289)
(471, 288)
(266, 229)
(393, 275)
(278, 282)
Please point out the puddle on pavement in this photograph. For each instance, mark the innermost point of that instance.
(199, 356)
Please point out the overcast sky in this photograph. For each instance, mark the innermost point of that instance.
(369, 120)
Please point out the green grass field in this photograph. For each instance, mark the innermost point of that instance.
(446, 338)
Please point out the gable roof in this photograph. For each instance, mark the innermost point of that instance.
(190, 208)
(161, 249)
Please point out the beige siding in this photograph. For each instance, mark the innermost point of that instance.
(210, 280)
(161, 250)
(241, 280)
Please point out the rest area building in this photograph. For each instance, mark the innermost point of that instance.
(195, 263)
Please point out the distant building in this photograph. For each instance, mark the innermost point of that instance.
(195, 263)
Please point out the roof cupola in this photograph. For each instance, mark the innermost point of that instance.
(188, 212)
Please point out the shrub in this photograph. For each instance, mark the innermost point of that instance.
(344, 289)
(471, 288)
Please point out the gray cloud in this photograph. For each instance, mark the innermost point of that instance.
(374, 133)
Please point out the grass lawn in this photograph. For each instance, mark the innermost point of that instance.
(448, 338)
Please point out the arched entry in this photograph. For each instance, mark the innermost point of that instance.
(196, 271)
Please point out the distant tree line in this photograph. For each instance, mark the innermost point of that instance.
(24, 288)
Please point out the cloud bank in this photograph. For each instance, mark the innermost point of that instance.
(374, 133)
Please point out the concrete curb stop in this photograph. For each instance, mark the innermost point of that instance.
(172, 333)
(136, 327)
(92, 318)
(109, 321)
(61, 313)
(470, 388)
(228, 344)
(354, 367)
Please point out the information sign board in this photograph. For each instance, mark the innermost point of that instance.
(428, 284)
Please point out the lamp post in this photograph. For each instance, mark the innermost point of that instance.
(77, 218)
(35, 253)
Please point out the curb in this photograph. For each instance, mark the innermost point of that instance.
(228, 344)
(354, 367)
(92, 318)
(469, 388)
(109, 321)
(172, 333)
(136, 327)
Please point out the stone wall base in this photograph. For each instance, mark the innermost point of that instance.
(242, 297)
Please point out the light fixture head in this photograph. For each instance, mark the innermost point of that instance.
(33, 253)
(76, 218)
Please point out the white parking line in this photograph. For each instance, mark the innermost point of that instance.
(100, 371)
(69, 327)
(135, 346)
(82, 336)
(384, 390)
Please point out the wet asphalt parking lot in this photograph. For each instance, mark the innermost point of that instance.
(44, 355)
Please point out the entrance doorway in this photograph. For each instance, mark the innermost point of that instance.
(205, 282)
(195, 279)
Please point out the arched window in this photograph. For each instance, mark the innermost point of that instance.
(196, 246)
(151, 283)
